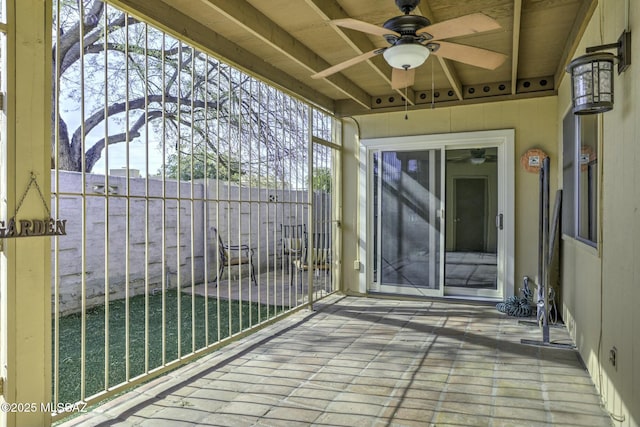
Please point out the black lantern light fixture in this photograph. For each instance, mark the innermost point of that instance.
(592, 76)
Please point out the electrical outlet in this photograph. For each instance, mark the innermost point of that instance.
(613, 357)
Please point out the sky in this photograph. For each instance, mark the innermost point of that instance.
(137, 157)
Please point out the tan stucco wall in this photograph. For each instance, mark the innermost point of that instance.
(535, 125)
(603, 289)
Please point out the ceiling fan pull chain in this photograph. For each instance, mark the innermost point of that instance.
(433, 98)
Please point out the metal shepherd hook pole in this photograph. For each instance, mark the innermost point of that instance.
(544, 259)
(544, 279)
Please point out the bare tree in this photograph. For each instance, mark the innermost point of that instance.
(117, 79)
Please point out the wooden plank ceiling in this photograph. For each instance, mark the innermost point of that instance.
(287, 41)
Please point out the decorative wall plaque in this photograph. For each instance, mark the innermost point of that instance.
(48, 226)
(532, 159)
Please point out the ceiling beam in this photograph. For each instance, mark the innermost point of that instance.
(515, 48)
(329, 10)
(452, 76)
(447, 67)
(174, 22)
(587, 7)
(260, 26)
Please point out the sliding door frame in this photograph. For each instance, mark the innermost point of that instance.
(502, 139)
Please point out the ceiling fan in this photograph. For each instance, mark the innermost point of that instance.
(476, 156)
(412, 38)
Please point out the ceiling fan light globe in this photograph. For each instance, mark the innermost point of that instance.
(406, 56)
(477, 160)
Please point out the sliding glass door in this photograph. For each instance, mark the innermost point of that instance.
(407, 225)
(471, 222)
(439, 218)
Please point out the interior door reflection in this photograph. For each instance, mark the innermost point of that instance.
(471, 236)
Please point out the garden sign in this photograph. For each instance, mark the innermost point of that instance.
(32, 227)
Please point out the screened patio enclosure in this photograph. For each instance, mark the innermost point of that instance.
(181, 143)
(181, 173)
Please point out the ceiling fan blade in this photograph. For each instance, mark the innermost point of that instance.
(462, 26)
(346, 64)
(402, 78)
(365, 27)
(475, 56)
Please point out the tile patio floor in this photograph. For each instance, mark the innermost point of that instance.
(372, 362)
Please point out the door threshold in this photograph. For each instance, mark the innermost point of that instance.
(474, 298)
(447, 298)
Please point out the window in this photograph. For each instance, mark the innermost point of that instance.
(568, 182)
(588, 179)
(580, 176)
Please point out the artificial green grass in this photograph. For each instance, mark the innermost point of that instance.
(177, 330)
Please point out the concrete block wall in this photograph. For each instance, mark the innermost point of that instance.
(249, 216)
(122, 238)
(254, 218)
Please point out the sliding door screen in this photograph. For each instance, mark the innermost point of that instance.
(407, 224)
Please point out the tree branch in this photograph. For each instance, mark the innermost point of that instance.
(71, 37)
(98, 117)
(69, 44)
(95, 152)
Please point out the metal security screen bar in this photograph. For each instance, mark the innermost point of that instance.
(202, 201)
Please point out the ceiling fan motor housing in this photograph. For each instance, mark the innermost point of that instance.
(406, 24)
(477, 153)
(406, 51)
(406, 6)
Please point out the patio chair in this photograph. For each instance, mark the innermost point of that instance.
(291, 242)
(233, 255)
(320, 259)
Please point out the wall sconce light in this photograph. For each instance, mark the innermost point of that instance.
(592, 76)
